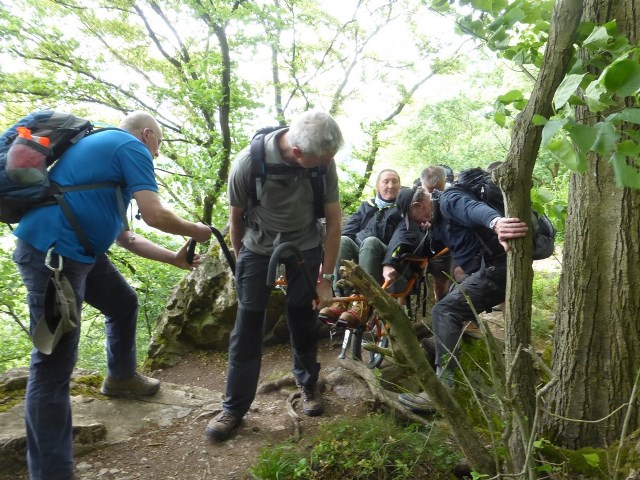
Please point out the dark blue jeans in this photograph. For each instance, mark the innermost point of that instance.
(245, 344)
(47, 403)
(485, 289)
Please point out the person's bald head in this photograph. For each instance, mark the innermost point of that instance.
(145, 128)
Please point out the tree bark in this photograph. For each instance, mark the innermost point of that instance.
(515, 180)
(597, 338)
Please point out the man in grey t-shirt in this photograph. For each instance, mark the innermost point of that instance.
(285, 213)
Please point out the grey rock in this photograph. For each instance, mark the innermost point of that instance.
(100, 421)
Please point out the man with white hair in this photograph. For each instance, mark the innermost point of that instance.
(285, 213)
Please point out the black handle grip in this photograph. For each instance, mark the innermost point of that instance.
(225, 249)
(275, 260)
(191, 251)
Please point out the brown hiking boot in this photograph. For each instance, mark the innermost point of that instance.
(356, 314)
(137, 384)
(472, 330)
(311, 400)
(220, 427)
(331, 314)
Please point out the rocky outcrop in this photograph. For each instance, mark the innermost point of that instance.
(200, 313)
(98, 421)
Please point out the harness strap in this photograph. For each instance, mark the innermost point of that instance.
(58, 195)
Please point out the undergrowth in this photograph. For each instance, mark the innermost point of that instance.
(545, 305)
(375, 447)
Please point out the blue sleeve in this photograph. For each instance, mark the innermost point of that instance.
(134, 160)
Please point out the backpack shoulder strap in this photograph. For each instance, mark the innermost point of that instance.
(317, 177)
(258, 174)
(57, 192)
(260, 169)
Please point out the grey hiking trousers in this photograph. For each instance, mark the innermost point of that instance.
(245, 343)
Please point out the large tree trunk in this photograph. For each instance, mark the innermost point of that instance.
(597, 338)
(515, 180)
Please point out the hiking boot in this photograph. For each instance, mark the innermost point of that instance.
(356, 314)
(418, 402)
(472, 330)
(331, 314)
(220, 427)
(311, 401)
(137, 384)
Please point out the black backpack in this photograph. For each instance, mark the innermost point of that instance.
(479, 183)
(260, 169)
(27, 150)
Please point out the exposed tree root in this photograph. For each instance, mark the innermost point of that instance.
(277, 384)
(382, 396)
(291, 411)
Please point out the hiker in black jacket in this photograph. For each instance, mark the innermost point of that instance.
(410, 237)
(365, 239)
(477, 236)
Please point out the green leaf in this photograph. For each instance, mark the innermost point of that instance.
(631, 115)
(551, 128)
(513, 16)
(542, 195)
(562, 150)
(575, 101)
(477, 476)
(520, 104)
(626, 170)
(485, 5)
(628, 148)
(593, 96)
(597, 40)
(440, 5)
(592, 459)
(606, 138)
(584, 30)
(611, 27)
(538, 120)
(500, 118)
(623, 77)
(567, 88)
(544, 468)
(583, 135)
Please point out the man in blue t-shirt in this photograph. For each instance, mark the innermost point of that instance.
(47, 239)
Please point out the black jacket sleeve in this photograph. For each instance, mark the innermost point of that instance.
(354, 224)
(404, 241)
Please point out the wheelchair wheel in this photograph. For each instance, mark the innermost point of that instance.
(379, 338)
(369, 334)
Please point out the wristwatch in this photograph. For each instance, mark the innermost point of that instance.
(493, 223)
(329, 276)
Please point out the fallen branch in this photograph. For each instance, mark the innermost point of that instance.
(409, 354)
